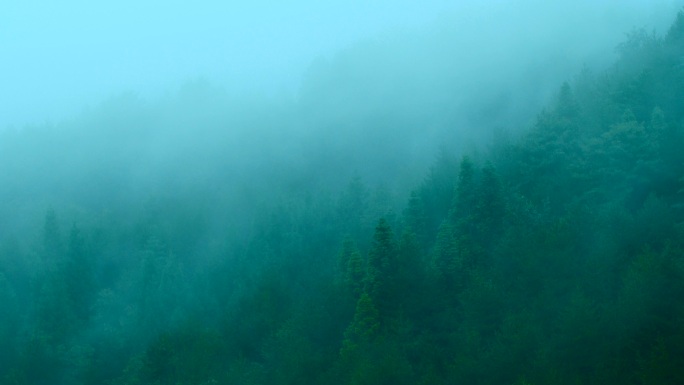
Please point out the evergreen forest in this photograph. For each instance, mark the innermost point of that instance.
(142, 242)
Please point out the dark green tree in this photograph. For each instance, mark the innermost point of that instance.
(364, 327)
(352, 267)
(490, 209)
(464, 200)
(381, 278)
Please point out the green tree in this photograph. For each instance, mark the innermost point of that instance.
(364, 327)
(55, 318)
(464, 201)
(447, 260)
(675, 34)
(490, 208)
(355, 273)
(9, 324)
(352, 267)
(382, 271)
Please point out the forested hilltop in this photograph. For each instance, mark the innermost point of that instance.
(553, 256)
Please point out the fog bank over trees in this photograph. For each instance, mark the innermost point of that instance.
(59, 58)
(481, 194)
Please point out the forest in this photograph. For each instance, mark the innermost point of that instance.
(323, 241)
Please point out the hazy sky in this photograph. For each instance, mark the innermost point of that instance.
(58, 56)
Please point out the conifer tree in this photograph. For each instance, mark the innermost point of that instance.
(352, 268)
(461, 248)
(415, 218)
(465, 192)
(490, 208)
(410, 281)
(382, 270)
(344, 255)
(364, 326)
(355, 273)
(447, 260)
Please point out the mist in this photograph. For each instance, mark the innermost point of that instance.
(59, 58)
(341, 193)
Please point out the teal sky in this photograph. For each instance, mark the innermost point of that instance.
(58, 56)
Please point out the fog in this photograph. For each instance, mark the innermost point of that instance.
(341, 192)
(58, 58)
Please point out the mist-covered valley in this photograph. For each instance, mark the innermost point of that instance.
(490, 194)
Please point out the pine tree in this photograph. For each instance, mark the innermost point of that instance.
(490, 208)
(410, 281)
(352, 267)
(462, 207)
(447, 261)
(675, 34)
(461, 248)
(382, 251)
(344, 255)
(382, 270)
(364, 327)
(355, 273)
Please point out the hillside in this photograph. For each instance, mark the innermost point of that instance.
(552, 255)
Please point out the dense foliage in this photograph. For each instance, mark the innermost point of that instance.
(556, 257)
